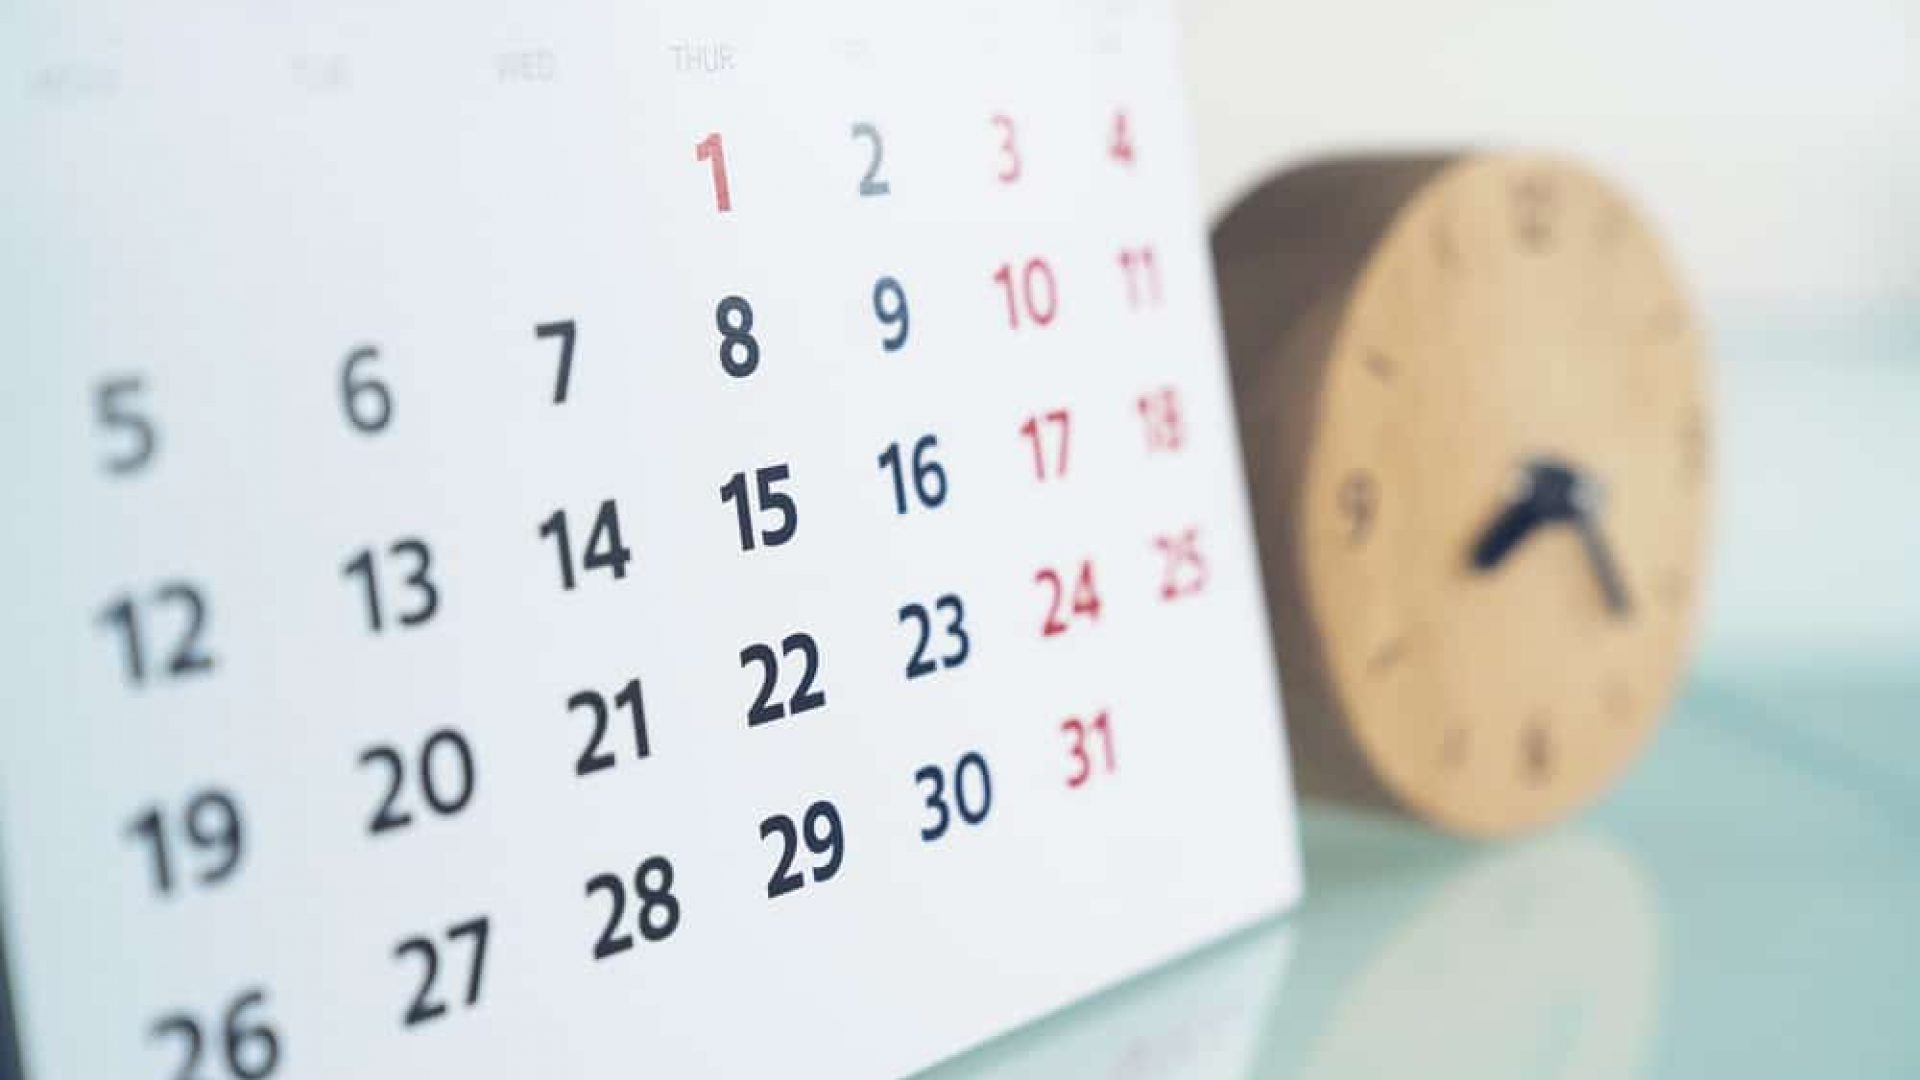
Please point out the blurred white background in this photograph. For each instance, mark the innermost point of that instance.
(1777, 144)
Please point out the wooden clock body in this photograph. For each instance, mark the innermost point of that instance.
(1408, 338)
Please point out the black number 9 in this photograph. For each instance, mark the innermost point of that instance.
(890, 307)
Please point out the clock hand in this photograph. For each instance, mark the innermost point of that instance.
(1585, 506)
(1545, 495)
(1515, 523)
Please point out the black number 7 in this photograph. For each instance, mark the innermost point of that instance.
(564, 377)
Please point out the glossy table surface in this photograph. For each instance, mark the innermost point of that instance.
(1746, 903)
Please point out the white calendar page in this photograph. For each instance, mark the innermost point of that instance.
(612, 539)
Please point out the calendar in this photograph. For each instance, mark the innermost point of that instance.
(588, 540)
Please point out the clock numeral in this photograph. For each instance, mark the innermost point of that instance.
(824, 837)
(427, 1004)
(1536, 208)
(1359, 503)
(444, 773)
(1537, 751)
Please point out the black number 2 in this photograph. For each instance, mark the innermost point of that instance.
(871, 184)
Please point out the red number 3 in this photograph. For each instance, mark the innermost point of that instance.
(1009, 149)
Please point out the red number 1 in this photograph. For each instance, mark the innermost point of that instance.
(1121, 148)
(714, 154)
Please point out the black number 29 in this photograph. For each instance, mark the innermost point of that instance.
(824, 837)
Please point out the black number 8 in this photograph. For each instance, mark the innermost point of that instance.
(739, 349)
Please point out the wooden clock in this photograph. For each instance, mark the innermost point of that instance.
(1475, 413)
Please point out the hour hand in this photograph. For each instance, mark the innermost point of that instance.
(1545, 495)
(1520, 518)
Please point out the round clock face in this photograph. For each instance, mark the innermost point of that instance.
(1504, 497)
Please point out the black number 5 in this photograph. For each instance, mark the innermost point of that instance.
(114, 407)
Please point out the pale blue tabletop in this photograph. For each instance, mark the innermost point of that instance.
(1746, 903)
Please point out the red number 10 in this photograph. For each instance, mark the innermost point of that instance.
(1037, 298)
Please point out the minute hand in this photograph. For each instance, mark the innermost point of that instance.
(1604, 568)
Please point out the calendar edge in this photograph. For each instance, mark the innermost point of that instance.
(1273, 914)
